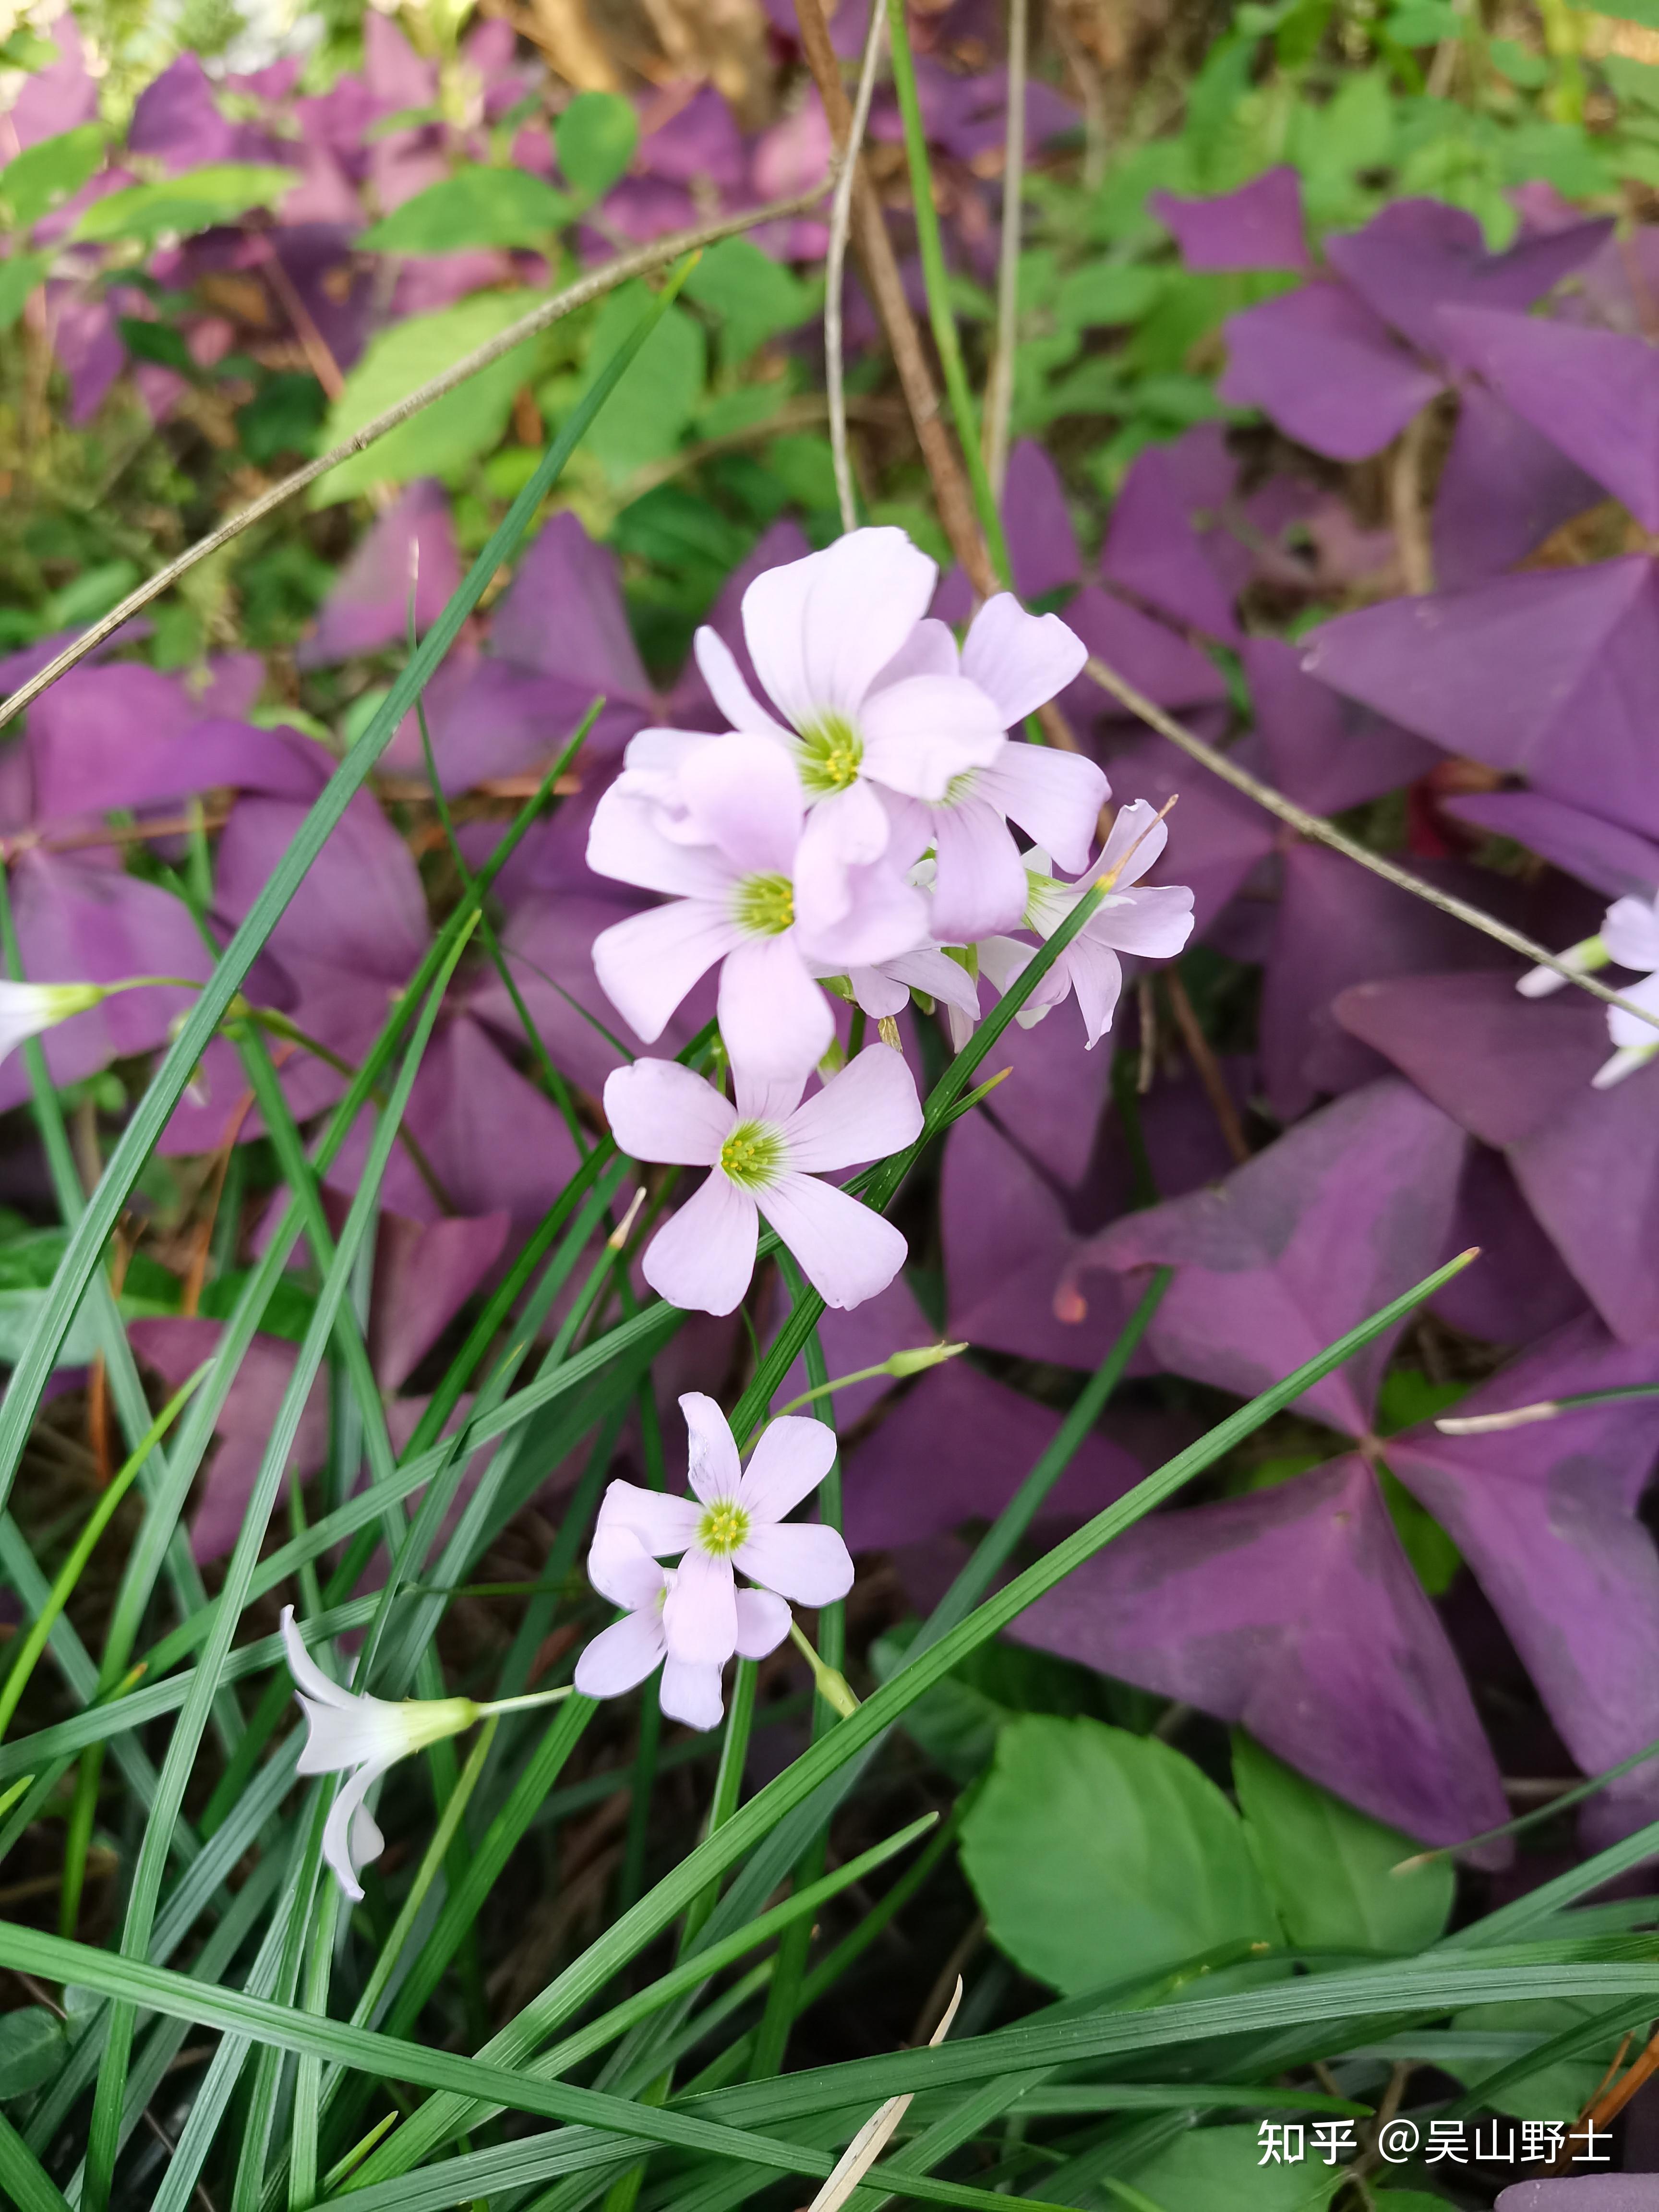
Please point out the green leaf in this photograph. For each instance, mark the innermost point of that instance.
(754, 297)
(1330, 1868)
(1558, 154)
(446, 436)
(1098, 1857)
(159, 343)
(478, 206)
(1105, 292)
(198, 200)
(1407, 2200)
(1555, 2092)
(18, 278)
(956, 1723)
(1423, 23)
(595, 137)
(1216, 2166)
(1636, 81)
(657, 397)
(45, 176)
(1528, 70)
(32, 2049)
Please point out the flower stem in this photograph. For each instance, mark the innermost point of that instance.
(897, 1365)
(833, 1685)
(531, 1698)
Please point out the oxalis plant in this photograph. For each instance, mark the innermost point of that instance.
(889, 853)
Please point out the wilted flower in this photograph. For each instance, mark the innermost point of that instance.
(765, 1154)
(732, 1524)
(621, 1656)
(362, 1736)
(734, 900)
(1151, 920)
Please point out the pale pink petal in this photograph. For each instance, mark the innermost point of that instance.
(846, 1252)
(763, 1623)
(920, 734)
(703, 1258)
(912, 831)
(659, 1110)
(1137, 839)
(701, 1617)
(621, 1656)
(930, 650)
(1004, 960)
(1630, 931)
(981, 884)
(1154, 920)
(620, 1568)
(849, 829)
(935, 973)
(799, 1559)
(664, 1526)
(877, 992)
(351, 1838)
(885, 916)
(308, 1676)
(652, 762)
(774, 1017)
(1096, 976)
(743, 794)
(647, 964)
(712, 1454)
(788, 1463)
(766, 1098)
(869, 1110)
(820, 630)
(690, 1694)
(1055, 797)
(730, 690)
(1020, 661)
(1629, 1032)
(626, 841)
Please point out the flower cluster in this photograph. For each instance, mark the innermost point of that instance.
(692, 1619)
(845, 831)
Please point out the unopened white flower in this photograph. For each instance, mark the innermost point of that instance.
(25, 1009)
(362, 1736)
(1629, 938)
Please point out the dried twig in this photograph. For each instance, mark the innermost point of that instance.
(586, 288)
(1000, 385)
(1208, 1067)
(840, 216)
(1326, 833)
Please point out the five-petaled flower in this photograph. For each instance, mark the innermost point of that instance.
(765, 1154)
(732, 1524)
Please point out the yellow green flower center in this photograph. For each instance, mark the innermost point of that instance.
(723, 1530)
(765, 905)
(830, 755)
(752, 1155)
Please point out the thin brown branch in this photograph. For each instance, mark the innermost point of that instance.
(586, 288)
(1406, 508)
(999, 387)
(1326, 833)
(881, 271)
(1208, 1067)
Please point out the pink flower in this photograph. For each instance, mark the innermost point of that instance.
(732, 1524)
(1150, 921)
(620, 1567)
(1630, 935)
(765, 1154)
(731, 866)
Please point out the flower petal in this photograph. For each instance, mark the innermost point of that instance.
(351, 1837)
(930, 970)
(847, 830)
(1629, 1032)
(625, 841)
(659, 1110)
(1631, 933)
(743, 795)
(773, 1016)
(647, 964)
(980, 886)
(701, 1616)
(1154, 920)
(870, 1109)
(730, 690)
(1055, 797)
(703, 1258)
(930, 650)
(763, 1623)
(711, 1450)
(799, 1559)
(788, 1463)
(1137, 838)
(846, 1252)
(1097, 975)
(308, 1676)
(877, 991)
(1020, 660)
(820, 630)
(620, 1567)
(621, 1655)
(662, 1525)
(921, 734)
(690, 1694)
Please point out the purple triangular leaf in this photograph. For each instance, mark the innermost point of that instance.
(423, 1275)
(1154, 545)
(411, 546)
(588, 643)
(1151, 658)
(1346, 1210)
(1503, 489)
(1043, 548)
(1326, 752)
(1260, 226)
(1294, 1613)
(1322, 366)
(1519, 1288)
(1609, 857)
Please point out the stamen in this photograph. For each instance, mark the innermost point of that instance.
(829, 756)
(752, 1155)
(765, 905)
